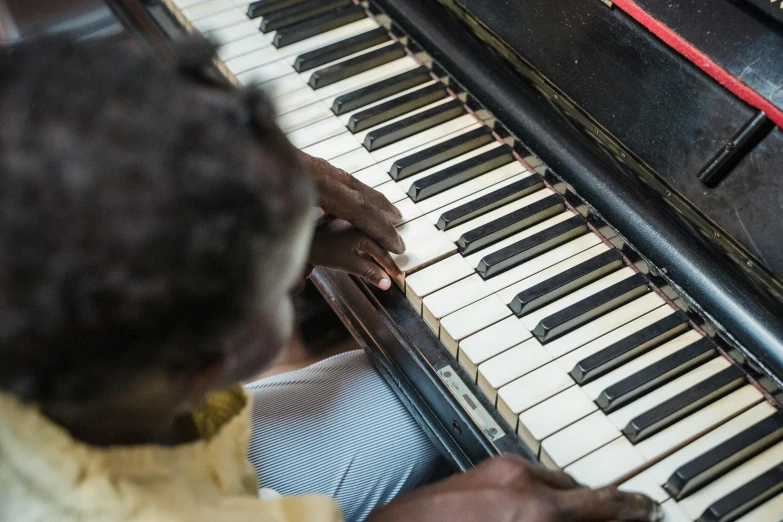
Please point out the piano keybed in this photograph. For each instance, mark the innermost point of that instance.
(599, 374)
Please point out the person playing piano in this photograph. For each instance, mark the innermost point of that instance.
(152, 229)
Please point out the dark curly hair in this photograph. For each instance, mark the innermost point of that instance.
(135, 207)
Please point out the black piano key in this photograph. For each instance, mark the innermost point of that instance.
(461, 172)
(682, 405)
(746, 498)
(432, 156)
(299, 13)
(726, 456)
(359, 64)
(397, 107)
(383, 89)
(316, 58)
(406, 127)
(566, 282)
(489, 202)
(629, 348)
(309, 28)
(524, 249)
(265, 7)
(657, 374)
(591, 307)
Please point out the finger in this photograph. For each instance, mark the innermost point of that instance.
(379, 201)
(380, 229)
(599, 505)
(365, 208)
(381, 256)
(370, 272)
(553, 478)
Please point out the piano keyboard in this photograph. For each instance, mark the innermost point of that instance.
(599, 375)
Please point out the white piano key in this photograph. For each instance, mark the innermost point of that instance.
(452, 298)
(405, 184)
(673, 513)
(329, 37)
(769, 511)
(531, 389)
(252, 60)
(489, 181)
(488, 184)
(511, 365)
(209, 8)
(624, 415)
(295, 101)
(396, 149)
(435, 248)
(489, 342)
(660, 472)
(220, 20)
(232, 33)
(604, 325)
(606, 464)
(265, 73)
(372, 176)
(303, 117)
(392, 192)
(532, 319)
(281, 86)
(698, 502)
(387, 163)
(316, 132)
(594, 388)
(474, 259)
(330, 92)
(361, 135)
(355, 161)
(416, 231)
(242, 47)
(435, 277)
(469, 320)
(642, 483)
(456, 232)
(552, 415)
(508, 294)
(408, 209)
(332, 147)
(542, 262)
(578, 440)
(699, 422)
(184, 4)
(570, 360)
(205, 9)
(346, 118)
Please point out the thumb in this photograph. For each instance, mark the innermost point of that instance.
(371, 273)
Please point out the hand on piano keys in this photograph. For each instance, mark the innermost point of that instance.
(513, 490)
(338, 245)
(600, 376)
(345, 197)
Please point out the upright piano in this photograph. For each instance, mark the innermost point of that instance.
(592, 196)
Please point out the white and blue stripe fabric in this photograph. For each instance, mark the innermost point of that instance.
(337, 429)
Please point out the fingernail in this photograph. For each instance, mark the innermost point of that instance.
(385, 284)
(657, 513)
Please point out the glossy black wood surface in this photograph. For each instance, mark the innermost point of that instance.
(748, 317)
(745, 41)
(663, 108)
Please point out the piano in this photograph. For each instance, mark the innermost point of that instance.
(591, 195)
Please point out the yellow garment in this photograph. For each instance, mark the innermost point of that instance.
(46, 475)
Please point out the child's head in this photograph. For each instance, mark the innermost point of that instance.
(151, 228)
